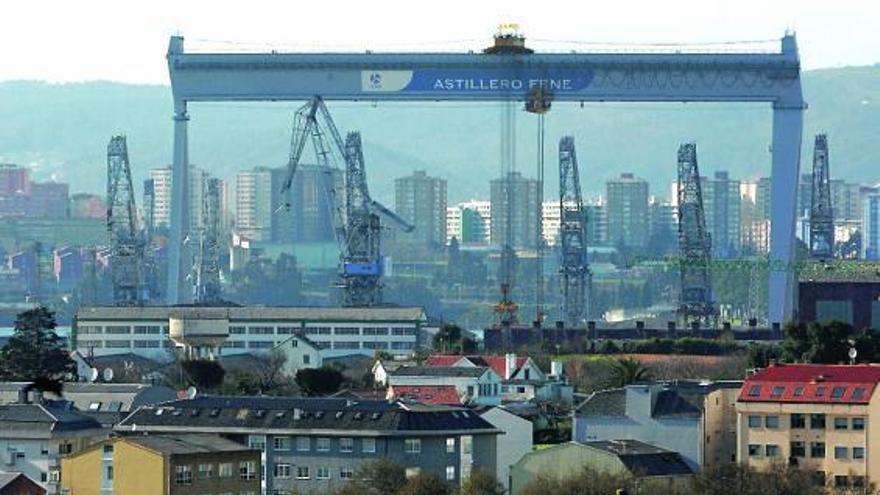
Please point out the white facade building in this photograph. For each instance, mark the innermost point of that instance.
(516, 442)
(145, 331)
(253, 204)
(475, 385)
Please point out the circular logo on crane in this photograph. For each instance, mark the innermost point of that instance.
(376, 80)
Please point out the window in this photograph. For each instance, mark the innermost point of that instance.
(820, 392)
(841, 452)
(798, 421)
(754, 450)
(146, 329)
(261, 330)
(146, 344)
(346, 444)
(413, 446)
(224, 470)
(858, 393)
(450, 445)
(402, 346)
(282, 471)
(841, 481)
(858, 423)
(346, 473)
(374, 345)
(772, 421)
(840, 423)
(110, 474)
(117, 344)
(117, 330)
(858, 481)
(777, 391)
(307, 358)
(206, 471)
(798, 449)
(817, 421)
(754, 421)
(754, 391)
(261, 344)
(302, 472)
(303, 444)
(402, 331)
(771, 450)
(375, 331)
(368, 445)
(450, 473)
(858, 453)
(323, 444)
(183, 475)
(347, 331)
(247, 470)
(837, 392)
(819, 478)
(256, 442)
(281, 443)
(322, 473)
(346, 345)
(817, 449)
(798, 391)
(286, 331)
(236, 330)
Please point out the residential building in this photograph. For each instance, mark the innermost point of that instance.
(722, 207)
(306, 214)
(597, 224)
(871, 227)
(315, 445)
(421, 200)
(663, 227)
(19, 484)
(34, 436)
(474, 385)
(516, 442)
(300, 352)
(658, 470)
(161, 199)
(521, 378)
(209, 331)
(48, 200)
(627, 211)
(253, 204)
(818, 417)
(694, 419)
(86, 205)
(521, 213)
(469, 222)
(181, 464)
(755, 227)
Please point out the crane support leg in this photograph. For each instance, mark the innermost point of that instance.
(178, 262)
(787, 128)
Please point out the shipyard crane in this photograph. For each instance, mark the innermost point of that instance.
(694, 243)
(821, 211)
(206, 286)
(126, 243)
(357, 225)
(574, 269)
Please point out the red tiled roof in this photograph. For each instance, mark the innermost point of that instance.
(427, 394)
(497, 363)
(814, 383)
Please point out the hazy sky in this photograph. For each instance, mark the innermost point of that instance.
(126, 41)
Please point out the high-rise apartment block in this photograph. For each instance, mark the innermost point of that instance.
(515, 203)
(627, 208)
(871, 228)
(161, 200)
(722, 204)
(307, 213)
(469, 222)
(421, 200)
(253, 204)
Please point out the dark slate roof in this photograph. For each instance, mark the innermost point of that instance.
(216, 413)
(463, 371)
(186, 444)
(610, 402)
(670, 404)
(31, 417)
(642, 459)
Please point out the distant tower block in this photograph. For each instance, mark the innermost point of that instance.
(126, 242)
(821, 212)
(575, 270)
(694, 244)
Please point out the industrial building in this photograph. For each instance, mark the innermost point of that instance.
(210, 331)
(844, 291)
(421, 200)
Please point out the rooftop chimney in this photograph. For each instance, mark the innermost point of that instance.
(509, 365)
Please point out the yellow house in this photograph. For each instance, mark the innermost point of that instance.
(162, 465)
(817, 417)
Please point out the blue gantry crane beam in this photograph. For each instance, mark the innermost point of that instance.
(127, 245)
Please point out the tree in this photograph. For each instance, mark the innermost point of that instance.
(424, 484)
(318, 381)
(379, 477)
(625, 371)
(204, 374)
(481, 483)
(452, 339)
(35, 351)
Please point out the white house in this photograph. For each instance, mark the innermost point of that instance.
(476, 385)
(514, 444)
(300, 353)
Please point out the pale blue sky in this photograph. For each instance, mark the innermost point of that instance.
(126, 41)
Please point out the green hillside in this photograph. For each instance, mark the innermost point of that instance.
(62, 131)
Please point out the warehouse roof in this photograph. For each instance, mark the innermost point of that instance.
(233, 313)
(475, 371)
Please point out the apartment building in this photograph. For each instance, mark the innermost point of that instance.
(514, 201)
(315, 445)
(182, 464)
(421, 200)
(469, 222)
(817, 417)
(150, 331)
(627, 211)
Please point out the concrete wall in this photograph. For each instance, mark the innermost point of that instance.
(513, 444)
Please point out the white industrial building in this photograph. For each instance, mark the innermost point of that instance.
(206, 332)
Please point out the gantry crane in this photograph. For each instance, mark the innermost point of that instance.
(126, 243)
(206, 286)
(574, 269)
(358, 224)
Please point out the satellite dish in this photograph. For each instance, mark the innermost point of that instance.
(108, 374)
(853, 353)
(93, 374)
(191, 393)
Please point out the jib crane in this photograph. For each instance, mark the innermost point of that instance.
(126, 242)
